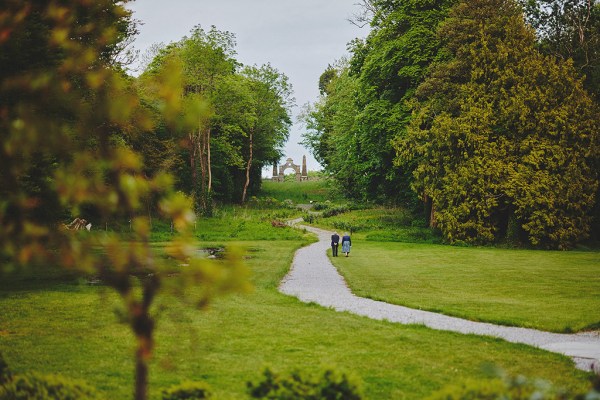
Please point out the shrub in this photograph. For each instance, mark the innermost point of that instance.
(264, 203)
(348, 226)
(33, 386)
(330, 385)
(334, 211)
(309, 218)
(518, 388)
(320, 206)
(288, 203)
(419, 223)
(407, 235)
(187, 390)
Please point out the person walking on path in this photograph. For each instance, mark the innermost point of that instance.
(335, 243)
(346, 244)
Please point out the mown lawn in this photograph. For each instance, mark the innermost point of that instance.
(62, 325)
(548, 290)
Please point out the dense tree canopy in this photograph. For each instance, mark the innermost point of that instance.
(364, 103)
(503, 135)
(242, 117)
(492, 126)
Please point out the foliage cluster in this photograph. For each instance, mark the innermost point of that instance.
(187, 391)
(240, 223)
(239, 118)
(514, 130)
(569, 30)
(363, 106)
(376, 224)
(514, 388)
(70, 123)
(326, 385)
(327, 210)
(33, 386)
(460, 106)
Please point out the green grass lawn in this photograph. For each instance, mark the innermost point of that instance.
(299, 192)
(548, 290)
(54, 323)
(236, 223)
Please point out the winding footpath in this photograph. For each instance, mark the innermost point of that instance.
(313, 278)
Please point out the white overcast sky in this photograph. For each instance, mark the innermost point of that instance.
(298, 37)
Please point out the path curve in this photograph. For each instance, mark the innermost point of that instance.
(313, 278)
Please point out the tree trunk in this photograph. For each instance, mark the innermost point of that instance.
(432, 219)
(143, 327)
(427, 209)
(141, 375)
(248, 166)
(513, 227)
(194, 164)
(208, 162)
(202, 146)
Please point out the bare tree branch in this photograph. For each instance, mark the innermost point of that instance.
(365, 15)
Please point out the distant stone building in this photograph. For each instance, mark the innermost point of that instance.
(301, 174)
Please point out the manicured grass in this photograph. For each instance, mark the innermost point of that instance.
(299, 192)
(548, 290)
(62, 325)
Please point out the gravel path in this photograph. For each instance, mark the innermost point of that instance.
(313, 278)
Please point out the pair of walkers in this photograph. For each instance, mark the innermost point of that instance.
(335, 242)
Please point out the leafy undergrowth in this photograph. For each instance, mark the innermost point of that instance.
(377, 224)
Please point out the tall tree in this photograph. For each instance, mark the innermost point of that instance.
(269, 129)
(383, 72)
(207, 58)
(570, 29)
(331, 130)
(505, 138)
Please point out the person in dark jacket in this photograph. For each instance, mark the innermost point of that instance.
(346, 244)
(335, 243)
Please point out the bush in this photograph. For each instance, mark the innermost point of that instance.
(45, 387)
(331, 212)
(309, 218)
(187, 390)
(518, 388)
(331, 385)
(348, 226)
(41, 387)
(321, 206)
(406, 235)
(264, 203)
(288, 203)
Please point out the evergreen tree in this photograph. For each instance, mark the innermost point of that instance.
(504, 138)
